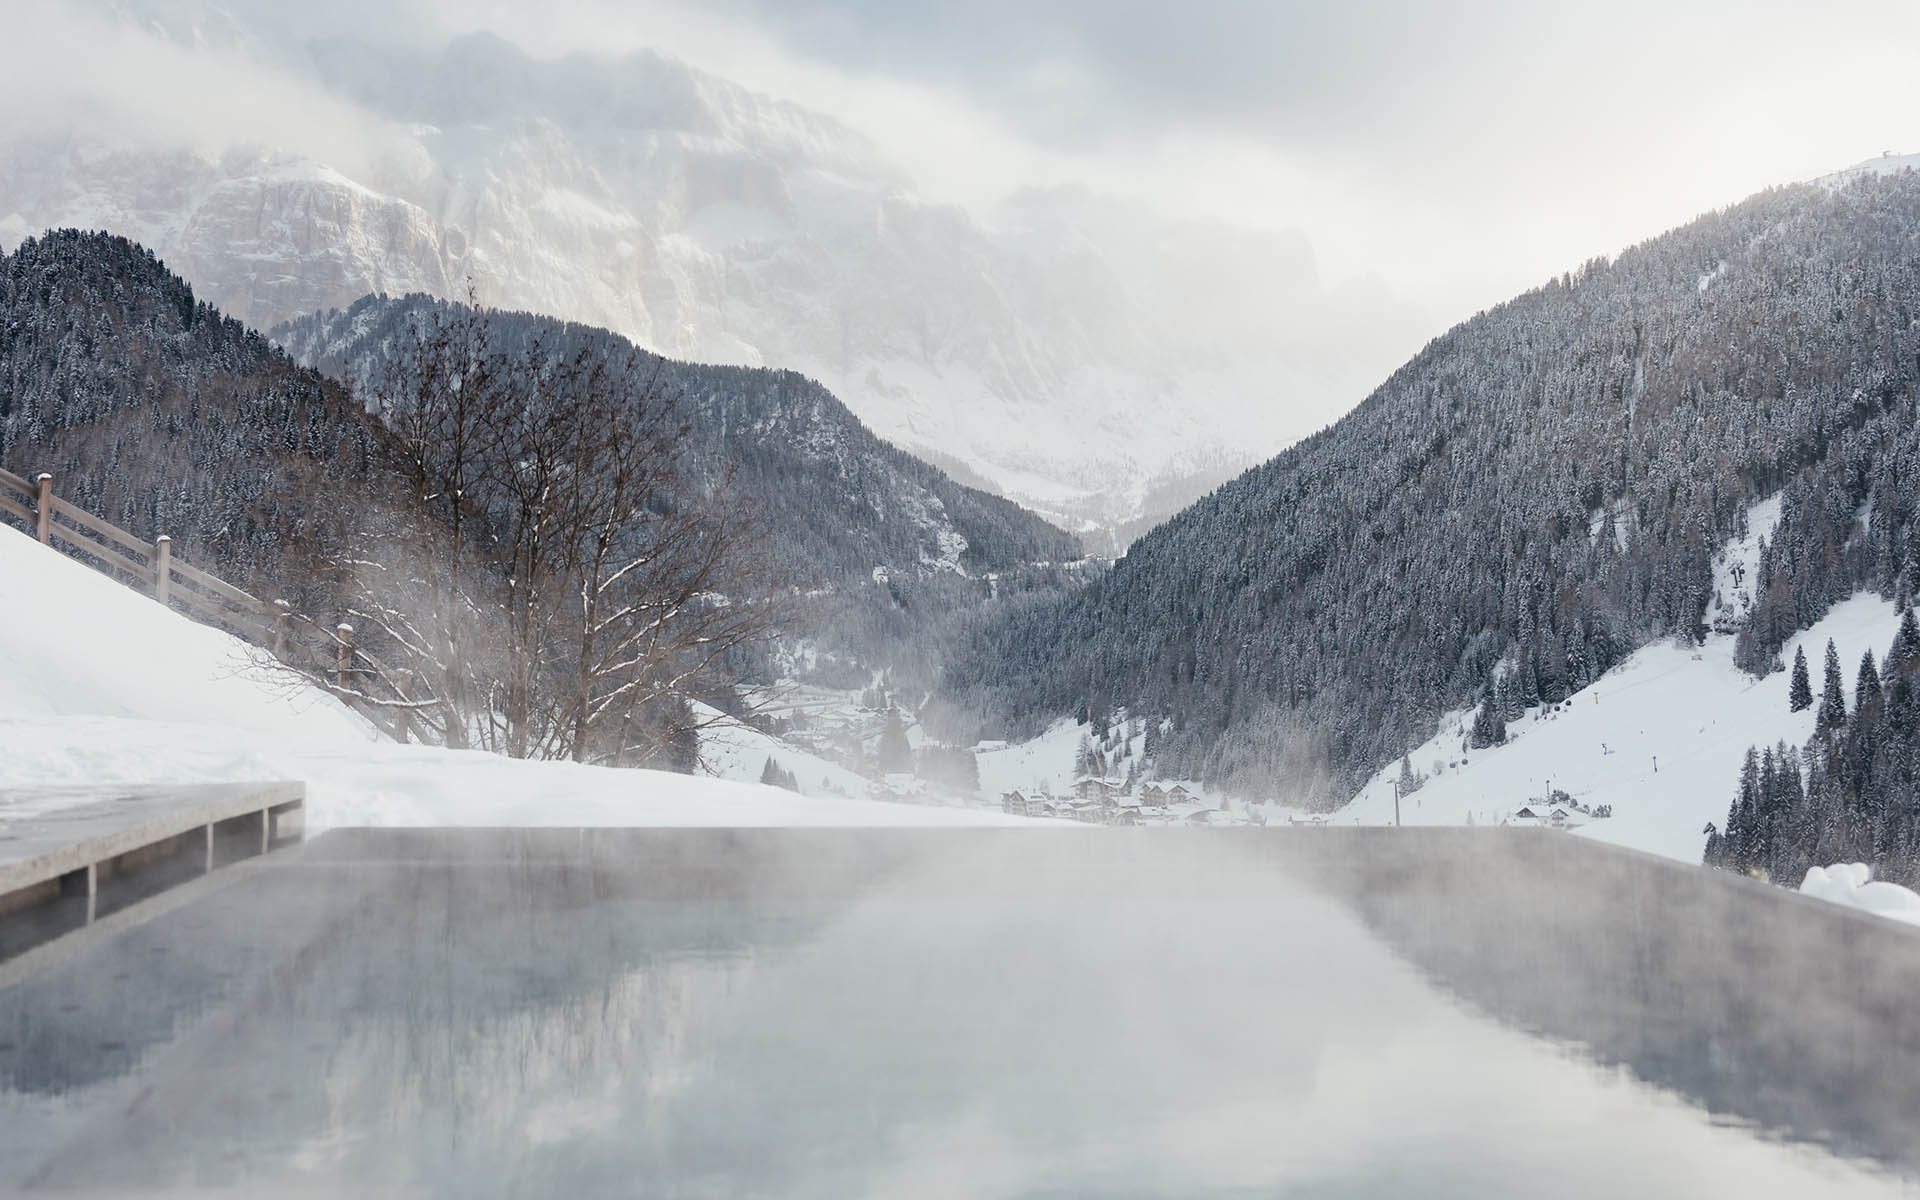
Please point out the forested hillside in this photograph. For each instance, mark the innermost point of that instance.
(1533, 496)
(905, 550)
(1850, 796)
(160, 414)
(155, 411)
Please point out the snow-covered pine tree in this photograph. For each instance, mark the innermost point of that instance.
(774, 775)
(1906, 645)
(1800, 691)
(1489, 727)
(1833, 703)
(1737, 841)
(1866, 685)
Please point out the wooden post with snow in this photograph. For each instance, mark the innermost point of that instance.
(163, 568)
(43, 508)
(343, 661)
(282, 618)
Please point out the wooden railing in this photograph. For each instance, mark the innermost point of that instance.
(325, 654)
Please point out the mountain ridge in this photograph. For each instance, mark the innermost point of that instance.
(1067, 352)
(1532, 496)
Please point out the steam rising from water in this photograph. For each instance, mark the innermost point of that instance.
(1047, 1013)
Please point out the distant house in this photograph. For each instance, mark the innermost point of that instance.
(1178, 793)
(1014, 803)
(1095, 789)
(1153, 794)
(988, 747)
(1307, 819)
(1542, 817)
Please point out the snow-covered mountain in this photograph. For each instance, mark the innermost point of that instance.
(1533, 498)
(1094, 362)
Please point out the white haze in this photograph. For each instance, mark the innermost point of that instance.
(119, 85)
(1449, 156)
(1397, 167)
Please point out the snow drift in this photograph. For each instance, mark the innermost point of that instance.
(1853, 885)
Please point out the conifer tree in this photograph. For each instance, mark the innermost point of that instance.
(1833, 703)
(1800, 692)
(1489, 726)
(1735, 842)
(1866, 685)
(1906, 644)
(895, 753)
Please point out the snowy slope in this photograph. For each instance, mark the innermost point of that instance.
(740, 753)
(1042, 766)
(1660, 738)
(74, 643)
(102, 685)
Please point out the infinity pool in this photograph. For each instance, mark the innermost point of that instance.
(1024, 1014)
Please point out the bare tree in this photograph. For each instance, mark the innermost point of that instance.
(563, 586)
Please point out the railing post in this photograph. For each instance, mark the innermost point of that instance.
(43, 508)
(343, 662)
(163, 569)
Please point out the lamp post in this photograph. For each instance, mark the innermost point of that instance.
(1396, 804)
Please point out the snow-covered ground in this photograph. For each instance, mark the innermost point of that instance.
(1044, 765)
(1660, 738)
(737, 752)
(99, 684)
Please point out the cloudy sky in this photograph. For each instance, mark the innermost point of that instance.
(1455, 152)
(1443, 155)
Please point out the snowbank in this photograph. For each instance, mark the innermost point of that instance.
(1852, 884)
(98, 684)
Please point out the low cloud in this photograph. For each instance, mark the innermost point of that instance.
(78, 71)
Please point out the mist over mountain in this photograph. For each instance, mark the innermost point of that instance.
(157, 412)
(1532, 497)
(1085, 357)
(905, 551)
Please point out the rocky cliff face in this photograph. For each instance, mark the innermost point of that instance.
(1069, 355)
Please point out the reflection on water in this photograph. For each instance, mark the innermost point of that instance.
(1028, 1020)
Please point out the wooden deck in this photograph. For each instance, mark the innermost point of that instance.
(70, 855)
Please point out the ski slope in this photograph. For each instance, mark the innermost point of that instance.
(1660, 738)
(98, 684)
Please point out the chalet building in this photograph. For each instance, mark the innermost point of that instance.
(1153, 794)
(1177, 794)
(1093, 789)
(1014, 804)
(1543, 817)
